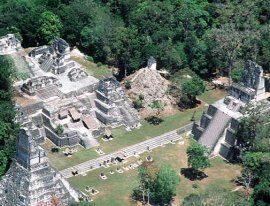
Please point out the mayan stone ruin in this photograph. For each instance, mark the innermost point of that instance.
(113, 107)
(59, 91)
(219, 123)
(149, 82)
(31, 180)
(9, 44)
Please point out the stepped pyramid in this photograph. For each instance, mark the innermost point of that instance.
(218, 125)
(31, 181)
(113, 107)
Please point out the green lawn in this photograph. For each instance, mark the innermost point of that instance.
(123, 138)
(59, 161)
(116, 190)
(93, 69)
(211, 95)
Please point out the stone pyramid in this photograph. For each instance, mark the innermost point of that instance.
(31, 181)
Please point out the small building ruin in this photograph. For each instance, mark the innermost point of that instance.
(9, 44)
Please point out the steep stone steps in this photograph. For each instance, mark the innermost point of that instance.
(216, 127)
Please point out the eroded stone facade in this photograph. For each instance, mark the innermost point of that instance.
(31, 181)
(9, 44)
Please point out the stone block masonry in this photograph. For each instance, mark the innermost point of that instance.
(31, 181)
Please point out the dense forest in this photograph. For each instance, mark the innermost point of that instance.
(204, 36)
(8, 129)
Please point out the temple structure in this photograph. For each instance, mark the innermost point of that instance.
(60, 93)
(9, 44)
(219, 123)
(113, 107)
(31, 181)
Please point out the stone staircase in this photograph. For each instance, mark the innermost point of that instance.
(215, 129)
(129, 118)
(48, 92)
(89, 142)
(46, 64)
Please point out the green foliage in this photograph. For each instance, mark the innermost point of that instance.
(165, 185)
(89, 58)
(50, 27)
(261, 194)
(179, 34)
(22, 75)
(197, 156)
(253, 160)
(55, 150)
(253, 143)
(193, 87)
(99, 64)
(59, 129)
(128, 84)
(8, 128)
(253, 127)
(190, 89)
(141, 96)
(216, 196)
(158, 105)
(159, 184)
(138, 104)
(236, 75)
(154, 120)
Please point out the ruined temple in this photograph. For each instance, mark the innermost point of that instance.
(113, 107)
(9, 44)
(220, 122)
(60, 91)
(31, 181)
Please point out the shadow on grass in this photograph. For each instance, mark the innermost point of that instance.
(192, 174)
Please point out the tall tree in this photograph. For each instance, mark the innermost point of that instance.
(198, 157)
(50, 27)
(229, 42)
(191, 88)
(157, 185)
(165, 185)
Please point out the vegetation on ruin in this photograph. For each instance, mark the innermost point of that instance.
(253, 141)
(8, 129)
(92, 69)
(59, 129)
